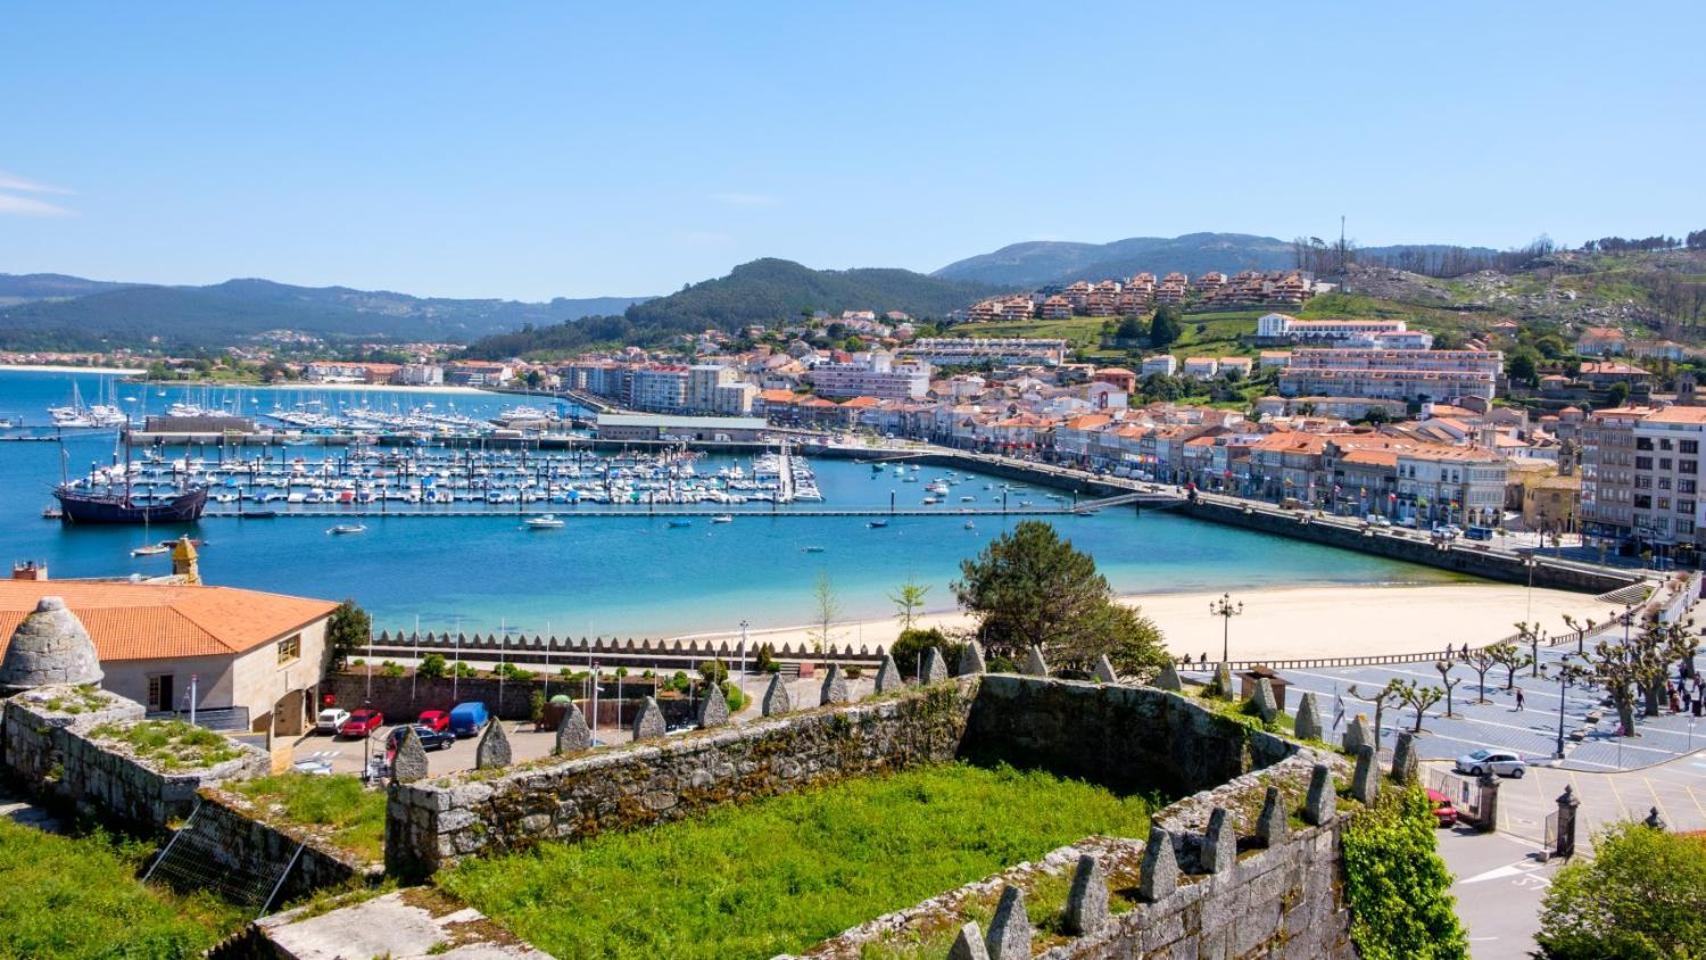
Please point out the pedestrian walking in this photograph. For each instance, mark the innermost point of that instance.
(1519, 700)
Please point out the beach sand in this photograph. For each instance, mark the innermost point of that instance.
(1296, 622)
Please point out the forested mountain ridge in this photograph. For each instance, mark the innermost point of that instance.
(52, 312)
(761, 292)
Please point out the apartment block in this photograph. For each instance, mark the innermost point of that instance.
(1641, 475)
(873, 375)
(1410, 375)
(1004, 351)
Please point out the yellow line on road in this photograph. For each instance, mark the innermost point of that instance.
(1622, 810)
(1690, 791)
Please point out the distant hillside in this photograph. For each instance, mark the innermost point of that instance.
(24, 287)
(95, 315)
(1041, 262)
(760, 292)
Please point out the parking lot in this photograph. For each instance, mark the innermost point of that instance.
(1498, 724)
(349, 755)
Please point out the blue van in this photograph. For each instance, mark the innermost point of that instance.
(1479, 533)
(468, 719)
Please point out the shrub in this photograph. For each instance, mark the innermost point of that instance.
(713, 671)
(464, 671)
(909, 647)
(432, 666)
(1642, 896)
(766, 659)
(1397, 885)
(391, 668)
(536, 705)
(854, 673)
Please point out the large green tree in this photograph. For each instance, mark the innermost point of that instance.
(1031, 588)
(1397, 886)
(1641, 897)
(348, 630)
(1165, 328)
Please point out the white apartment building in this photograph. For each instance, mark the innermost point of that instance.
(659, 388)
(1202, 368)
(1282, 326)
(1641, 475)
(1165, 364)
(421, 375)
(1410, 375)
(1003, 351)
(872, 375)
(1451, 484)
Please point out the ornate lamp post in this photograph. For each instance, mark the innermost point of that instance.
(1225, 609)
(1565, 671)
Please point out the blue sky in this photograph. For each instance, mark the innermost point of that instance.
(530, 150)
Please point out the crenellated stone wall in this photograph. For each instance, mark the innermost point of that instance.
(433, 823)
(1123, 737)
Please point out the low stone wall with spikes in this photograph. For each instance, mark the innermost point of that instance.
(432, 823)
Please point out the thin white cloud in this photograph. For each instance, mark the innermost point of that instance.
(17, 184)
(735, 199)
(30, 207)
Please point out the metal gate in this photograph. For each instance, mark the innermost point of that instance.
(1463, 792)
(194, 860)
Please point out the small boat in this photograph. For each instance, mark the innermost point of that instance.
(723, 518)
(549, 521)
(812, 549)
(151, 550)
(681, 523)
(51, 513)
(257, 514)
(970, 526)
(346, 528)
(875, 524)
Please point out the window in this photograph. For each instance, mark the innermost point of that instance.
(290, 649)
(1685, 486)
(1643, 443)
(1643, 501)
(1688, 446)
(1688, 466)
(1685, 527)
(1664, 463)
(1664, 444)
(1643, 483)
(1643, 463)
(1664, 503)
(1664, 483)
(1685, 506)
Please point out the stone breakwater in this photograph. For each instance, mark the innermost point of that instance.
(48, 745)
(432, 824)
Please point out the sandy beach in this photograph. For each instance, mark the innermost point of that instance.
(52, 368)
(1296, 622)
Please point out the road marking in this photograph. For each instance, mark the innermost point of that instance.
(1690, 791)
(1616, 795)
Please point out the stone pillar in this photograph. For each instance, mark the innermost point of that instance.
(649, 723)
(888, 676)
(1087, 901)
(1365, 782)
(410, 763)
(1405, 763)
(1220, 844)
(1010, 930)
(1323, 802)
(493, 748)
(572, 733)
(1270, 826)
(968, 944)
(1035, 665)
(1308, 722)
(1564, 844)
(834, 688)
(1489, 820)
(1267, 706)
(971, 660)
(1169, 678)
(934, 668)
(713, 707)
(1158, 877)
(1104, 672)
(776, 700)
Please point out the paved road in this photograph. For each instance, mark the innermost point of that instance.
(1498, 724)
(1500, 876)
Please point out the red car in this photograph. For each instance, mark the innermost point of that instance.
(362, 723)
(435, 720)
(1444, 812)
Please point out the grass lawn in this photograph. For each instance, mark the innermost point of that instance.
(353, 817)
(780, 874)
(71, 897)
(170, 744)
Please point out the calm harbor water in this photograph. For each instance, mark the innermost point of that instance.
(624, 576)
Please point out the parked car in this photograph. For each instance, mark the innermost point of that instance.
(1501, 762)
(1377, 520)
(1479, 533)
(362, 723)
(1444, 812)
(468, 719)
(435, 719)
(330, 720)
(430, 739)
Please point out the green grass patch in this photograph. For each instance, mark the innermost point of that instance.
(83, 697)
(170, 744)
(352, 817)
(781, 874)
(73, 897)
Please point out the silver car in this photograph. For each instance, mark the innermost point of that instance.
(1501, 762)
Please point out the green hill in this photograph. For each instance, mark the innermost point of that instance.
(90, 315)
(761, 292)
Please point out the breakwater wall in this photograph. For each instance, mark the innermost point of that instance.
(1414, 548)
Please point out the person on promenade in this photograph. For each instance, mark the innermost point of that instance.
(1519, 700)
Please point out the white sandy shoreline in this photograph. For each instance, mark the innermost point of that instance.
(1289, 622)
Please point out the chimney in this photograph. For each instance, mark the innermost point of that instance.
(29, 570)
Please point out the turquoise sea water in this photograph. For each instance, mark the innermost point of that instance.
(628, 577)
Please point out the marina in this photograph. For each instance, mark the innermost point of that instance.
(612, 568)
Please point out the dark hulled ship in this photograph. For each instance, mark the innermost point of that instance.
(84, 505)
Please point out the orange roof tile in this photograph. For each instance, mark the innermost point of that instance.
(145, 621)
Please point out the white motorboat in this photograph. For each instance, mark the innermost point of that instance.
(344, 529)
(723, 518)
(547, 521)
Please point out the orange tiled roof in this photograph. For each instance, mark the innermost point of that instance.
(145, 621)
(1679, 415)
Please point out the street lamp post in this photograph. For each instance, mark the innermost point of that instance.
(1564, 670)
(743, 625)
(1225, 609)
